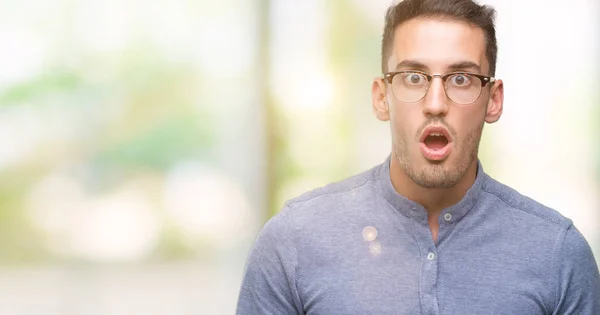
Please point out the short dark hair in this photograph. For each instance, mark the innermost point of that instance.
(468, 11)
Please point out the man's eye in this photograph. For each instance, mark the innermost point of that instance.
(414, 78)
(460, 80)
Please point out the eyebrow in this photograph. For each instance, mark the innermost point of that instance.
(464, 65)
(457, 66)
(411, 65)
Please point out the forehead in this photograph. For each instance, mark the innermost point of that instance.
(438, 44)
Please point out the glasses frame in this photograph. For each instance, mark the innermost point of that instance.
(389, 77)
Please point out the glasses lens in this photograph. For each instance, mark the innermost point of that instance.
(409, 86)
(463, 88)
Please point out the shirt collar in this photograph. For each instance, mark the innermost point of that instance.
(415, 210)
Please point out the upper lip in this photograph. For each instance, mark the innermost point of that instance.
(435, 129)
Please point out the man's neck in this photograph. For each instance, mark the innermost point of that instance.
(433, 199)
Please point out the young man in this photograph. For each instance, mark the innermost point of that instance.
(426, 232)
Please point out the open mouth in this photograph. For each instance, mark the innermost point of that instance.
(436, 143)
(436, 140)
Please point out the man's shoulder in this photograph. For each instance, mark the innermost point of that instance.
(524, 206)
(326, 205)
(336, 191)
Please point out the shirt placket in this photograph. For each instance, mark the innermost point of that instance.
(429, 265)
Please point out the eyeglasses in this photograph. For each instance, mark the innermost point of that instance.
(460, 87)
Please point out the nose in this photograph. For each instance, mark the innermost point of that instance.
(435, 102)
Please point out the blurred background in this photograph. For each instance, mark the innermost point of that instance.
(145, 143)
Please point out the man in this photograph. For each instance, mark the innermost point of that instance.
(426, 232)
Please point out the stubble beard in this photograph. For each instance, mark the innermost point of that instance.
(442, 174)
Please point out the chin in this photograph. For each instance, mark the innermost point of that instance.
(444, 173)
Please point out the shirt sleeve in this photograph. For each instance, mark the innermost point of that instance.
(579, 281)
(269, 281)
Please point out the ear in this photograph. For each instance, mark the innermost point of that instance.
(378, 96)
(495, 102)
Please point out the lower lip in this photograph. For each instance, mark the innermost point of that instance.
(436, 154)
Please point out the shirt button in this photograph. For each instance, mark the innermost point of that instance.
(448, 217)
(431, 256)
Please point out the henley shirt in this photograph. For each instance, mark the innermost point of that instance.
(358, 247)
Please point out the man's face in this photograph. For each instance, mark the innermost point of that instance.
(438, 47)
